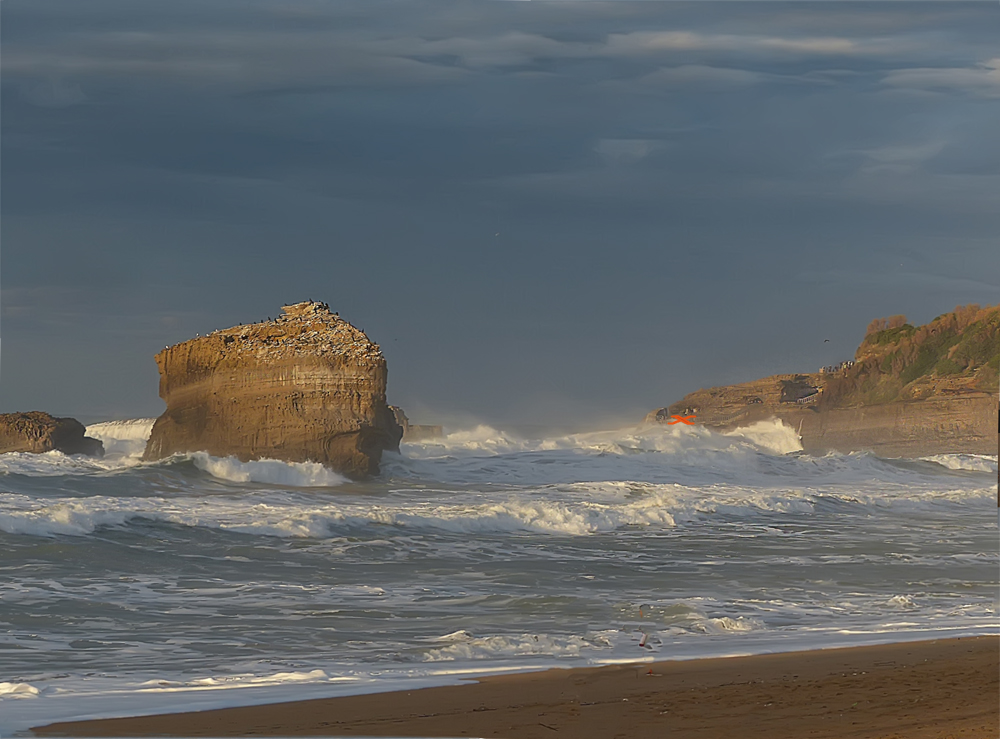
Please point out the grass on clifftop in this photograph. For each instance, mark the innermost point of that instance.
(956, 352)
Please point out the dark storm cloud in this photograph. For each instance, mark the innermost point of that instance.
(478, 183)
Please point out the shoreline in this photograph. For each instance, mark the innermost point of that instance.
(914, 689)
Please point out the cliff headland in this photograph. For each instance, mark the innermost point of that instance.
(305, 387)
(908, 391)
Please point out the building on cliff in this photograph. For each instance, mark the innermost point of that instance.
(305, 387)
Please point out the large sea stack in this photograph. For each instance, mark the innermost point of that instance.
(38, 432)
(306, 387)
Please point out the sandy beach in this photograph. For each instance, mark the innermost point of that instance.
(942, 688)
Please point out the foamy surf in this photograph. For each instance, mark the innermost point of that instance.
(580, 509)
(970, 462)
(241, 582)
(756, 456)
(17, 690)
(264, 471)
(126, 438)
(270, 471)
(131, 429)
(125, 441)
(766, 436)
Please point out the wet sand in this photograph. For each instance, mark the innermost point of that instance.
(948, 688)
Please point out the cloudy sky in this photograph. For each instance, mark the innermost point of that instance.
(545, 213)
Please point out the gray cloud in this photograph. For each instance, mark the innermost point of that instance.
(982, 80)
(491, 189)
(698, 75)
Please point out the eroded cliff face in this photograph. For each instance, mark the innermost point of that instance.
(909, 391)
(307, 386)
(38, 432)
(916, 428)
(963, 422)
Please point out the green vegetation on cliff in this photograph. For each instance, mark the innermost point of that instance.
(956, 353)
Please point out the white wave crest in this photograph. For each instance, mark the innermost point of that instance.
(272, 471)
(769, 436)
(688, 454)
(773, 436)
(760, 456)
(727, 625)
(901, 601)
(68, 517)
(266, 471)
(465, 646)
(970, 462)
(18, 690)
(482, 439)
(50, 464)
(580, 509)
(130, 429)
(123, 439)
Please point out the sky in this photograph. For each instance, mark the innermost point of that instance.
(561, 213)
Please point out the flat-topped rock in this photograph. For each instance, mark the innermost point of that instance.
(304, 387)
(38, 432)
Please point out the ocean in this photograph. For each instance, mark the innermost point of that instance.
(129, 587)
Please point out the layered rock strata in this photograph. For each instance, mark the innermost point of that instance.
(305, 387)
(965, 422)
(38, 432)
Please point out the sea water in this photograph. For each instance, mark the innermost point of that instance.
(129, 587)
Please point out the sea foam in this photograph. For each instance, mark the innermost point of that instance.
(18, 690)
(480, 552)
(125, 438)
(271, 471)
(970, 462)
(578, 509)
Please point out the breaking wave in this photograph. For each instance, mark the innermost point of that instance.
(762, 454)
(18, 690)
(480, 551)
(766, 436)
(568, 510)
(969, 462)
(770, 436)
(575, 485)
(465, 646)
(127, 430)
(264, 471)
(124, 442)
(270, 471)
(123, 438)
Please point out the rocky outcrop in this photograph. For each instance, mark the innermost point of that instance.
(909, 391)
(399, 416)
(905, 429)
(307, 386)
(964, 422)
(38, 432)
(415, 431)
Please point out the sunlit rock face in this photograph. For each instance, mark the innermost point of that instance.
(307, 386)
(913, 428)
(38, 432)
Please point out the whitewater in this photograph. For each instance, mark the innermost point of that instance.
(132, 587)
